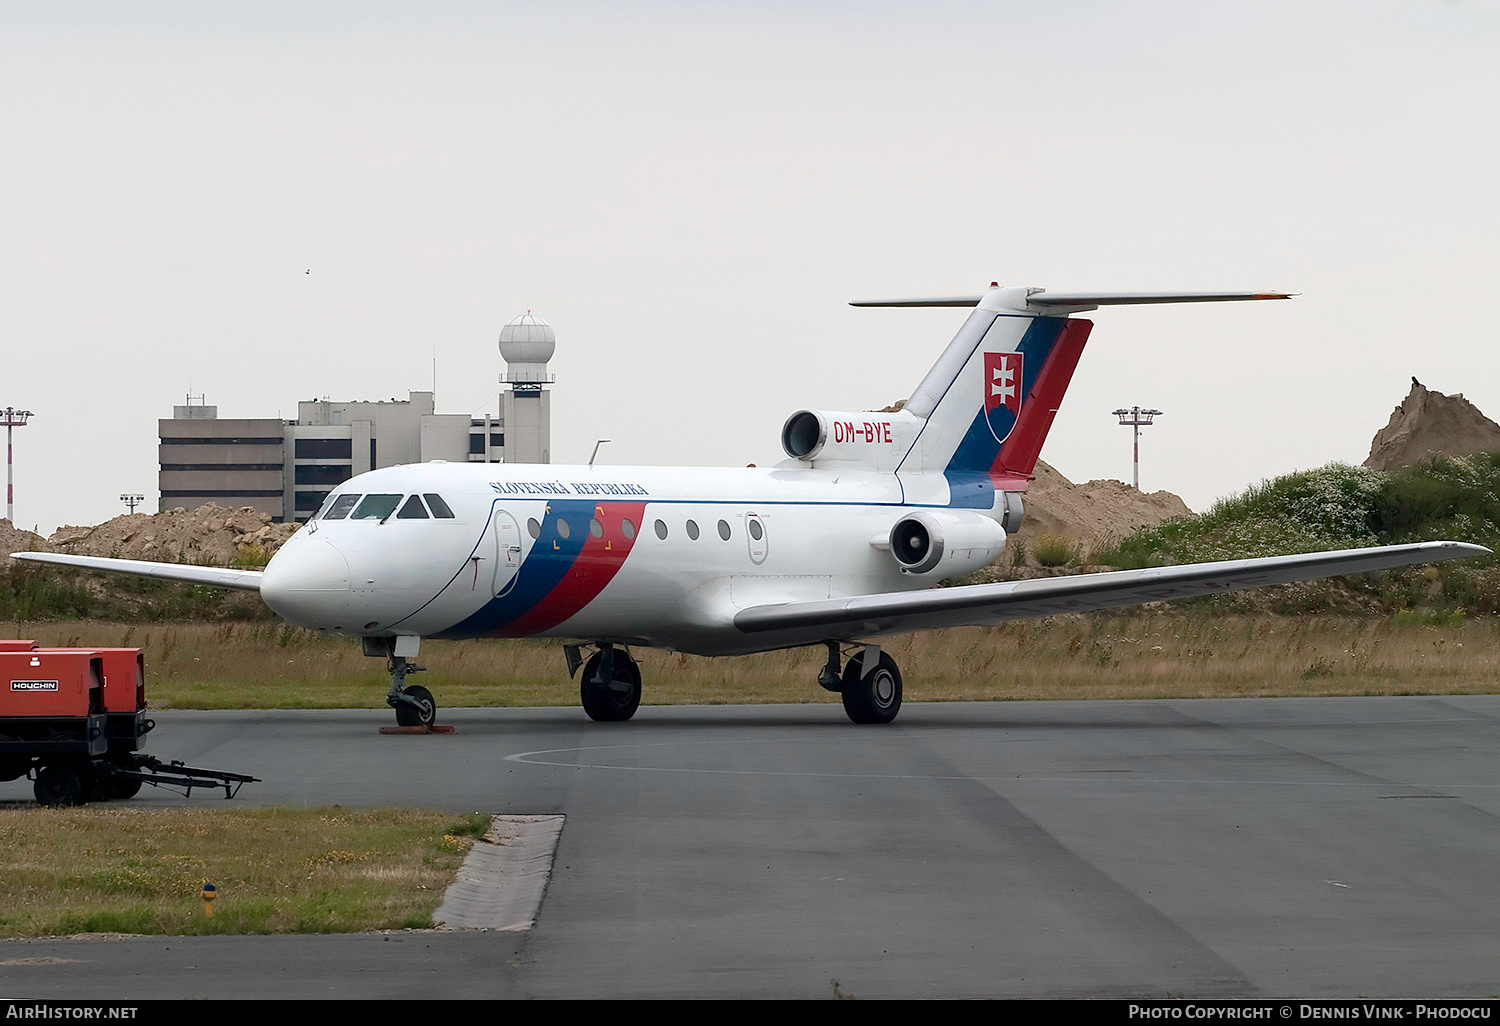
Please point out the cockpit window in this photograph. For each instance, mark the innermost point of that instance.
(340, 507)
(327, 501)
(376, 507)
(412, 510)
(438, 506)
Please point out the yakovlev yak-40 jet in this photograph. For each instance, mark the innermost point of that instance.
(840, 545)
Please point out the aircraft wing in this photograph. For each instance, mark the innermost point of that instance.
(213, 576)
(868, 616)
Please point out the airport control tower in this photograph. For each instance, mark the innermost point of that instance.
(527, 343)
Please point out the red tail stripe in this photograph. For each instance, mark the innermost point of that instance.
(1024, 446)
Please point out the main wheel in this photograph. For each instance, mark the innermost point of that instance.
(58, 785)
(611, 704)
(874, 697)
(420, 711)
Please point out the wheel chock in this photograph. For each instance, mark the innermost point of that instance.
(434, 729)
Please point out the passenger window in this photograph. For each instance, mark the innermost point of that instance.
(596, 529)
(692, 530)
(341, 507)
(628, 528)
(412, 510)
(376, 507)
(440, 509)
(563, 530)
(533, 528)
(723, 530)
(661, 530)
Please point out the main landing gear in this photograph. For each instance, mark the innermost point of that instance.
(413, 703)
(611, 683)
(870, 683)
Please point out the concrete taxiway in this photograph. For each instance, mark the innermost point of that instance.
(1213, 848)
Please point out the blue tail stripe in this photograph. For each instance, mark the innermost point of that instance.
(970, 485)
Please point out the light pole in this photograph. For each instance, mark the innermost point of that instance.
(1136, 418)
(132, 500)
(13, 419)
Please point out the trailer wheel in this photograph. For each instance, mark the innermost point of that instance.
(125, 788)
(58, 785)
(105, 783)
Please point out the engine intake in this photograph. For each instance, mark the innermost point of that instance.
(942, 543)
(871, 440)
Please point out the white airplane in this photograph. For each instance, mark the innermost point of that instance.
(840, 545)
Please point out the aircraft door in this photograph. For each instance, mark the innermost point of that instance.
(507, 550)
(755, 537)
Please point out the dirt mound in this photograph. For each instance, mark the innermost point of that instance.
(1091, 515)
(209, 534)
(13, 539)
(1430, 422)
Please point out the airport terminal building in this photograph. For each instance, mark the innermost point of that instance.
(287, 467)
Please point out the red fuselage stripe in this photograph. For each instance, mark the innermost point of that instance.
(596, 565)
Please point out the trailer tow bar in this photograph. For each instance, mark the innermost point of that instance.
(151, 770)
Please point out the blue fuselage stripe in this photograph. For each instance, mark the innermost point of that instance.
(543, 568)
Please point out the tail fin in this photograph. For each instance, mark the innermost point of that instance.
(989, 401)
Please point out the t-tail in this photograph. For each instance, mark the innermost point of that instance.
(984, 409)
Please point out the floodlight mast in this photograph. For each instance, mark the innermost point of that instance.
(132, 500)
(12, 418)
(1136, 418)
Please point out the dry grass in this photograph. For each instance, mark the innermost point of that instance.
(1146, 655)
(106, 870)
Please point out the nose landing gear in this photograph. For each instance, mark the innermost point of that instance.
(414, 704)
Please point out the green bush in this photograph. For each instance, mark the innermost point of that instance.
(33, 592)
(1336, 507)
(1053, 550)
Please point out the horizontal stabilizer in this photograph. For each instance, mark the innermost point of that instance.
(211, 576)
(870, 616)
(933, 301)
(1063, 302)
(1068, 300)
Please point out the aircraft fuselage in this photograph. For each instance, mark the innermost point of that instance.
(635, 555)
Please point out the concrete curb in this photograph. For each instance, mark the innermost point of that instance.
(502, 881)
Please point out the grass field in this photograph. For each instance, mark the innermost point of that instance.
(103, 870)
(1148, 655)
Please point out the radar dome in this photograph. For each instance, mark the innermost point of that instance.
(527, 343)
(527, 339)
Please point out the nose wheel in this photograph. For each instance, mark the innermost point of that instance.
(414, 704)
(414, 707)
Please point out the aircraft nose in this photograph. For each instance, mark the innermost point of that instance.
(307, 583)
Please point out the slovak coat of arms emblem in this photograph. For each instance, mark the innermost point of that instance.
(1002, 392)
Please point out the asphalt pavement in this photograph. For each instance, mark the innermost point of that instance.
(1211, 848)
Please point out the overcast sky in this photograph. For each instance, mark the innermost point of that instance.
(691, 192)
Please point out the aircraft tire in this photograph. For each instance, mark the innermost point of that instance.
(875, 698)
(58, 785)
(420, 712)
(603, 703)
